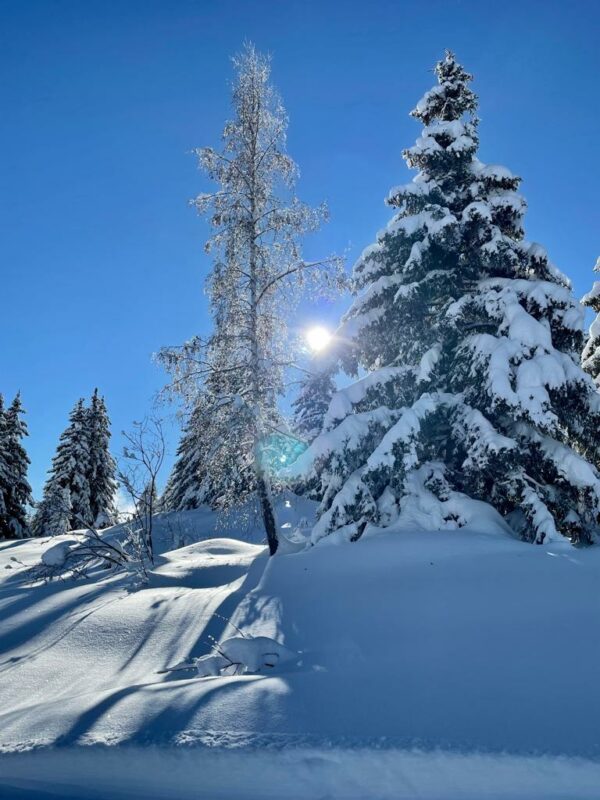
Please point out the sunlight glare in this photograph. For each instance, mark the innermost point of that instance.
(318, 338)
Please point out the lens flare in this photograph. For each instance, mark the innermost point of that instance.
(318, 338)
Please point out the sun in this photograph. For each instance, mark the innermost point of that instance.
(318, 338)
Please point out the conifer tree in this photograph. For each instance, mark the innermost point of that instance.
(53, 515)
(4, 469)
(257, 273)
(185, 487)
(70, 471)
(102, 467)
(311, 404)
(470, 339)
(215, 463)
(16, 491)
(590, 360)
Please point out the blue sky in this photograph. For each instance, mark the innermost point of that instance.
(102, 260)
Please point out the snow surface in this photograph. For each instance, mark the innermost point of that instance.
(56, 555)
(452, 664)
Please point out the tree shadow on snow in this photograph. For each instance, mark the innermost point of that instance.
(37, 623)
(175, 714)
(219, 621)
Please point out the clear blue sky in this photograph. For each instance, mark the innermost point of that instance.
(102, 259)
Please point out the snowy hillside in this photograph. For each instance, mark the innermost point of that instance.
(455, 664)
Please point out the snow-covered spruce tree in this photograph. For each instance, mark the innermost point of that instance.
(70, 471)
(4, 470)
(257, 273)
(471, 342)
(53, 514)
(14, 487)
(185, 488)
(212, 469)
(590, 359)
(312, 401)
(102, 467)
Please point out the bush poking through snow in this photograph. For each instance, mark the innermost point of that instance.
(255, 654)
(79, 556)
(143, 457)
(240, 655)
(87, 550)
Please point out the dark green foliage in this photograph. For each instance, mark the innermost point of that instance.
(312, 402)
(81, 486)
(15, 491)
(470, 339)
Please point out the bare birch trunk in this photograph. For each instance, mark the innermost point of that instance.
(263, 486)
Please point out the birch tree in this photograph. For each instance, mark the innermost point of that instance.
(258, 274)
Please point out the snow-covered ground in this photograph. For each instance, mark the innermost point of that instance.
(456, 664)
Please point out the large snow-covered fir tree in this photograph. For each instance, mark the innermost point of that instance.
(258, 269)
(470, 339)
(68, 481)
(15, 491)
(590, 359)
(102, 467)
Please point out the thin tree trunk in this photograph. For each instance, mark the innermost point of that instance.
(150, 522)
(267, 510)
(262, 479)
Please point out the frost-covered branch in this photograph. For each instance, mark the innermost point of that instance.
(232, 381)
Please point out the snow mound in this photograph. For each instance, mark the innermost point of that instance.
(56, 555)
(244, 655)
(256, 653)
